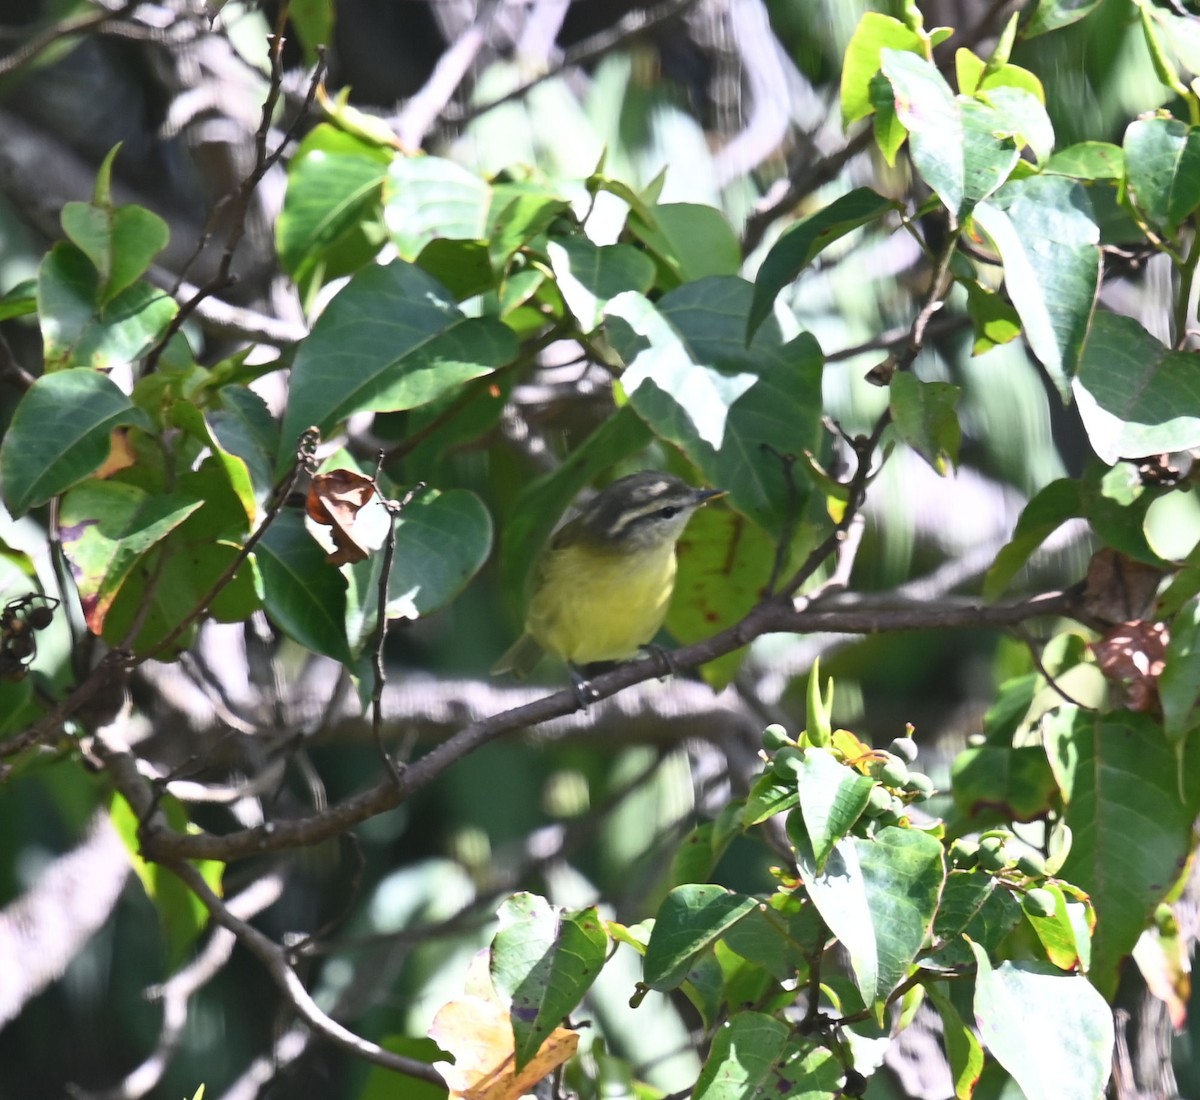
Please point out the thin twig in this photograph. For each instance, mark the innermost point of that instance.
(273, 957)
(239, 202)
(394, 509)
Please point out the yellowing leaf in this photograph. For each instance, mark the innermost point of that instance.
(479, 1034)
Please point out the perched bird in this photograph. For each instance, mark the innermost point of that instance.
(603, 584)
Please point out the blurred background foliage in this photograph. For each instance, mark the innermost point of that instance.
(726, 107)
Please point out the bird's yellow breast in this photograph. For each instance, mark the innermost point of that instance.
(597, 605)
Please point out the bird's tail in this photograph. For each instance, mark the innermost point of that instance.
(521, 658)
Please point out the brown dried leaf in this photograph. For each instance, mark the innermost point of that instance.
(479, 1034)
(1133, 655)
(1119, 589)
(334, 500)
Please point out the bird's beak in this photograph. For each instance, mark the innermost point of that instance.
(703, 496)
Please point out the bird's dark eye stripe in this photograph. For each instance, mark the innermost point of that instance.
(668, 512)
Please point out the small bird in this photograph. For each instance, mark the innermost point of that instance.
(603, 584)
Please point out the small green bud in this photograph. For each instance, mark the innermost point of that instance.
(964, 853)
(894, 773)
(1039, 902)
(921, 785)
(787, 761)
(1032, 864)
(879, 801)
(775, 737)
(905, 748)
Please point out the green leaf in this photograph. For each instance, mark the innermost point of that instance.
(302, 592)
(1136, 397)
(879, 898)
(691, 918)
(995, 321)
(925, 415)
(543, 960)
(120, 241)
(1052, 15)
(779, 936)
(188, 417)
(1162, 159)
(60, 434)
(958, 145)
(693, 380)
(689, 240)
(1049, 509)
(81, 327)
(20, 301)
(391, 339)
(724, 559)
(874, 33)
(518, 214)
(334, 192)
(963, 1051)
(1052, 1031)
(428, 197)
(1179, 684)
(753, 1055)
(1049, 243)
(589, 276)
(1020, 109)
(182, 914)
(1089, 160)
(1120, 780)
(801, 243)
(770, 795)
(975, 904)
(442, 541)
(1058, 934)
(832, 797)
(106, 528)
(1017, 783)
(313, 21)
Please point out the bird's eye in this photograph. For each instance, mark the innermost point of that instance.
(669, 512)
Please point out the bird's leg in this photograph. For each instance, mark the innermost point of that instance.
(664, 658)
(584, 691)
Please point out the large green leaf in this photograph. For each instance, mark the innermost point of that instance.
(1015, 783)
(874, 33)
(1162, 158)
(1052, 1031)
(106, 527)
(1048, 240)
(1136, 397)
(1132, 831)
(391, 339)
(83, 328)
(832, 797)
(302, 592)
(1051, 15)
(963, 1051)
(804, 241)
(780, 936)
(926, 417)
(729, 407)
(121, 241)
(962, 147)
(589, 276)
(427, 198)
(335, 187)
(690, 920)
(60, 433)
(543, 960)
(754, 1055)
(724, 561)
(690, 241)
(879, 898)
(974, 904)
(1049, 509)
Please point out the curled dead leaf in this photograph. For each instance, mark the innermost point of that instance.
(335, 500)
